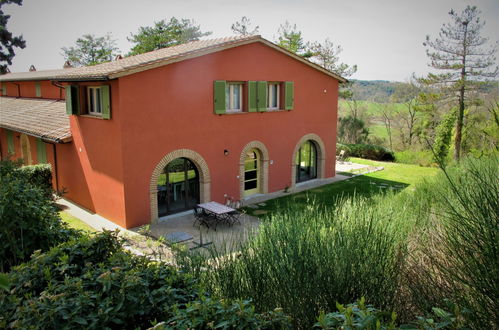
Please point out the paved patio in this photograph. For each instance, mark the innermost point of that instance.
(223, 235)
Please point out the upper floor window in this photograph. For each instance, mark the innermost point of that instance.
(234, 97)
(94, 101)
(273, 94)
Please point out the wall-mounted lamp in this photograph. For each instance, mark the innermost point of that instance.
(226, 152)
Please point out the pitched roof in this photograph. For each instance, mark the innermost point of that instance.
(146, 61)
(46, 119)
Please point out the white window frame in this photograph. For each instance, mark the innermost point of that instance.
(92, 105)
(270, 97)
(229, 106)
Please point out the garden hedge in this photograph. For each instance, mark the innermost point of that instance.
(368, 151)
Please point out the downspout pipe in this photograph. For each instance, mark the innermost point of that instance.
(58, 84)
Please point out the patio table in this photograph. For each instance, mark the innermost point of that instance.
(221, 212)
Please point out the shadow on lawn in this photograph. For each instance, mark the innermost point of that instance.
(326, 196)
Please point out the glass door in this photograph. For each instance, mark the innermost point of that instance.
(178, 187)
(306, 162)
(252, 173)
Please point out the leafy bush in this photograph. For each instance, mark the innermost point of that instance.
(306, 260)
(28, 218)
(368, 151)
(93, 283)
(456, 257)
(39, 175)
(356, 316)
(208, 313)
(421, 158)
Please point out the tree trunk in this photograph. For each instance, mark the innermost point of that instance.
(460, 114)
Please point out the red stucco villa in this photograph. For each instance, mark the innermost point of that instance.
(147, 136)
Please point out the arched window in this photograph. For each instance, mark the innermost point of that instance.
(306, 162)
(178, 187)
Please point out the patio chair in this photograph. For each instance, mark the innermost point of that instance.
(234, 215)
(341, 157)
(202, 218)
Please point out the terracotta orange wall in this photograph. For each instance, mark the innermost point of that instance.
(171, 108)
(33, 150)
(92, 167)
(28, 89)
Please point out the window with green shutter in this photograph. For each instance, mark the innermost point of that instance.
(4, 89)
(41, 151)
(261, 101)
(38, 89)
(252, 96)
(72, 100)
(106, 102)
(289, 97)
(219, 105)
(10, 142)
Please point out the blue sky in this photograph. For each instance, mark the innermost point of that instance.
(383, 37)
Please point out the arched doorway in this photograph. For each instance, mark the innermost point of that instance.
(178, 187)
(25, 150)
(306, 162)
(252, 172)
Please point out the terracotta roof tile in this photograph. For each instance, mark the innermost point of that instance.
(46, 119)
(137, 63)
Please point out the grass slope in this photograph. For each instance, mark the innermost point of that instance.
(75, 222)
(394, 178)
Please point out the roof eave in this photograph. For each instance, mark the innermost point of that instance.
(42, 136)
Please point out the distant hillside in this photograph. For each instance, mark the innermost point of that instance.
(373, 90)
(381, 90)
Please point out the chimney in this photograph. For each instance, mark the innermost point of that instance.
(67, 65)
(118, 57)
(32, 68)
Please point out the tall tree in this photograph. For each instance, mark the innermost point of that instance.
(326, 54)
(290, 38)
(243, 27)
(7, 41)
(91, 50)
(165, 34)
(407, 94)
(461, 52)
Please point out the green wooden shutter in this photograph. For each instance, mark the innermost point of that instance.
(106, 102)
(72, 100)
(261, 96)
(41, 151)
(252, 96)
(289, 97)
(38, 90)
(10, 142)
(219, 96)
(4, 89)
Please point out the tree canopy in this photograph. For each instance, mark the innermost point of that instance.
(165, 34)
(243, 27)
(7, 40)
(460, 52)
(91, 50)
(290, 38)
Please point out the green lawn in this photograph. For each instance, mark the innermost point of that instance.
(75, 222)
(394, 178)
(404, 173)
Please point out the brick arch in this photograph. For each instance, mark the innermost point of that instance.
(321, 156)
(204, 177)
(264, 177)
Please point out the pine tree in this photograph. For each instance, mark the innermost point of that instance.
(461, 53)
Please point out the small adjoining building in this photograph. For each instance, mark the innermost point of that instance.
(151, 135)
